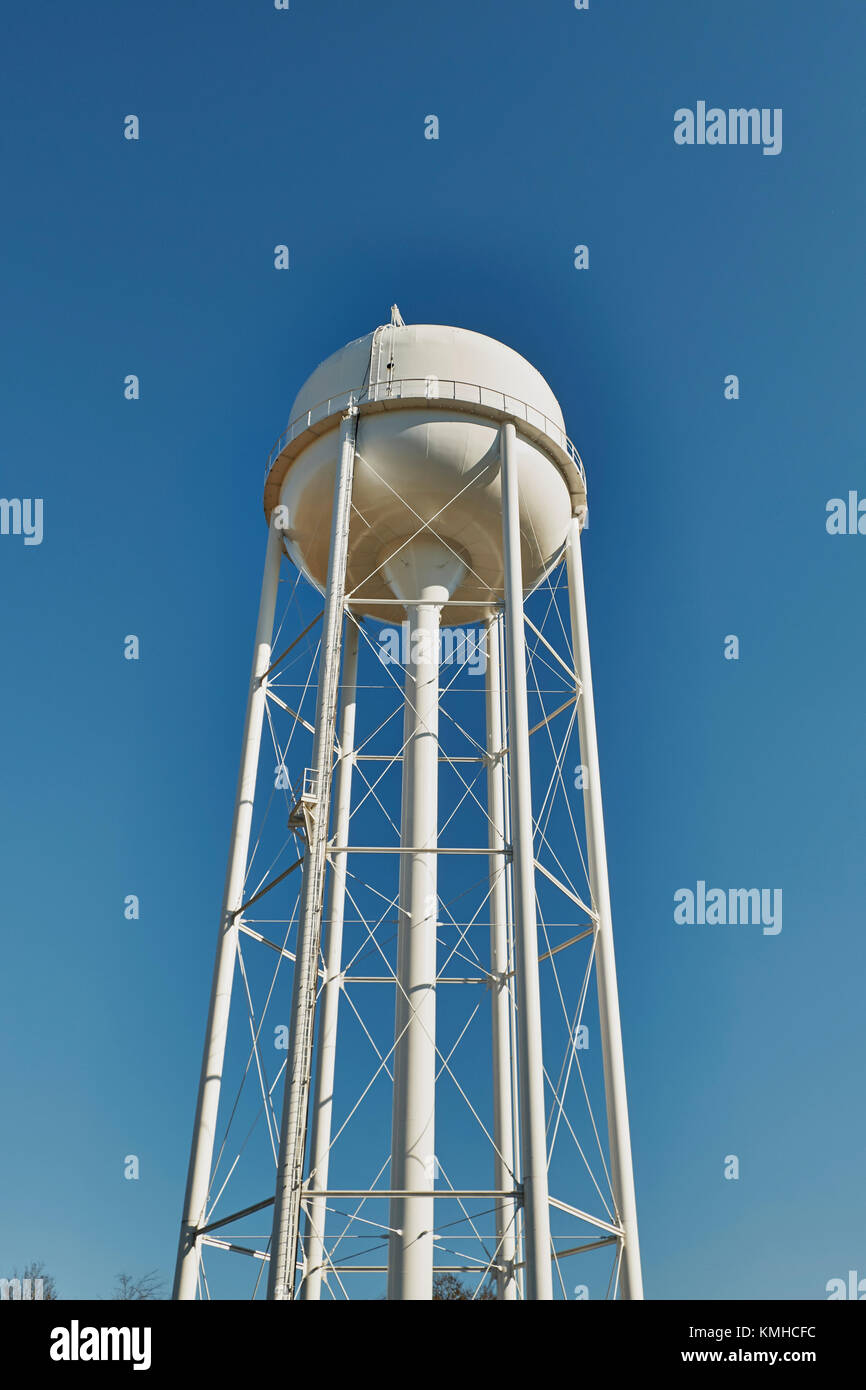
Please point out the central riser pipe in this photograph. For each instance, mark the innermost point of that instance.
(413, 1163)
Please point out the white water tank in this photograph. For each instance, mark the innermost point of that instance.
(431, 400)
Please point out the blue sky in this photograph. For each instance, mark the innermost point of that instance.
(155, 257)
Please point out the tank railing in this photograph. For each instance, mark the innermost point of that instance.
(429, 388)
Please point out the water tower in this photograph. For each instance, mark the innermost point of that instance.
(425, 487)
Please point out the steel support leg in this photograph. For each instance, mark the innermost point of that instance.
(293, 1135)
(503, 1119)
(323, 1100)
(204, 1129)
(622, 1175)
(536, 1210)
